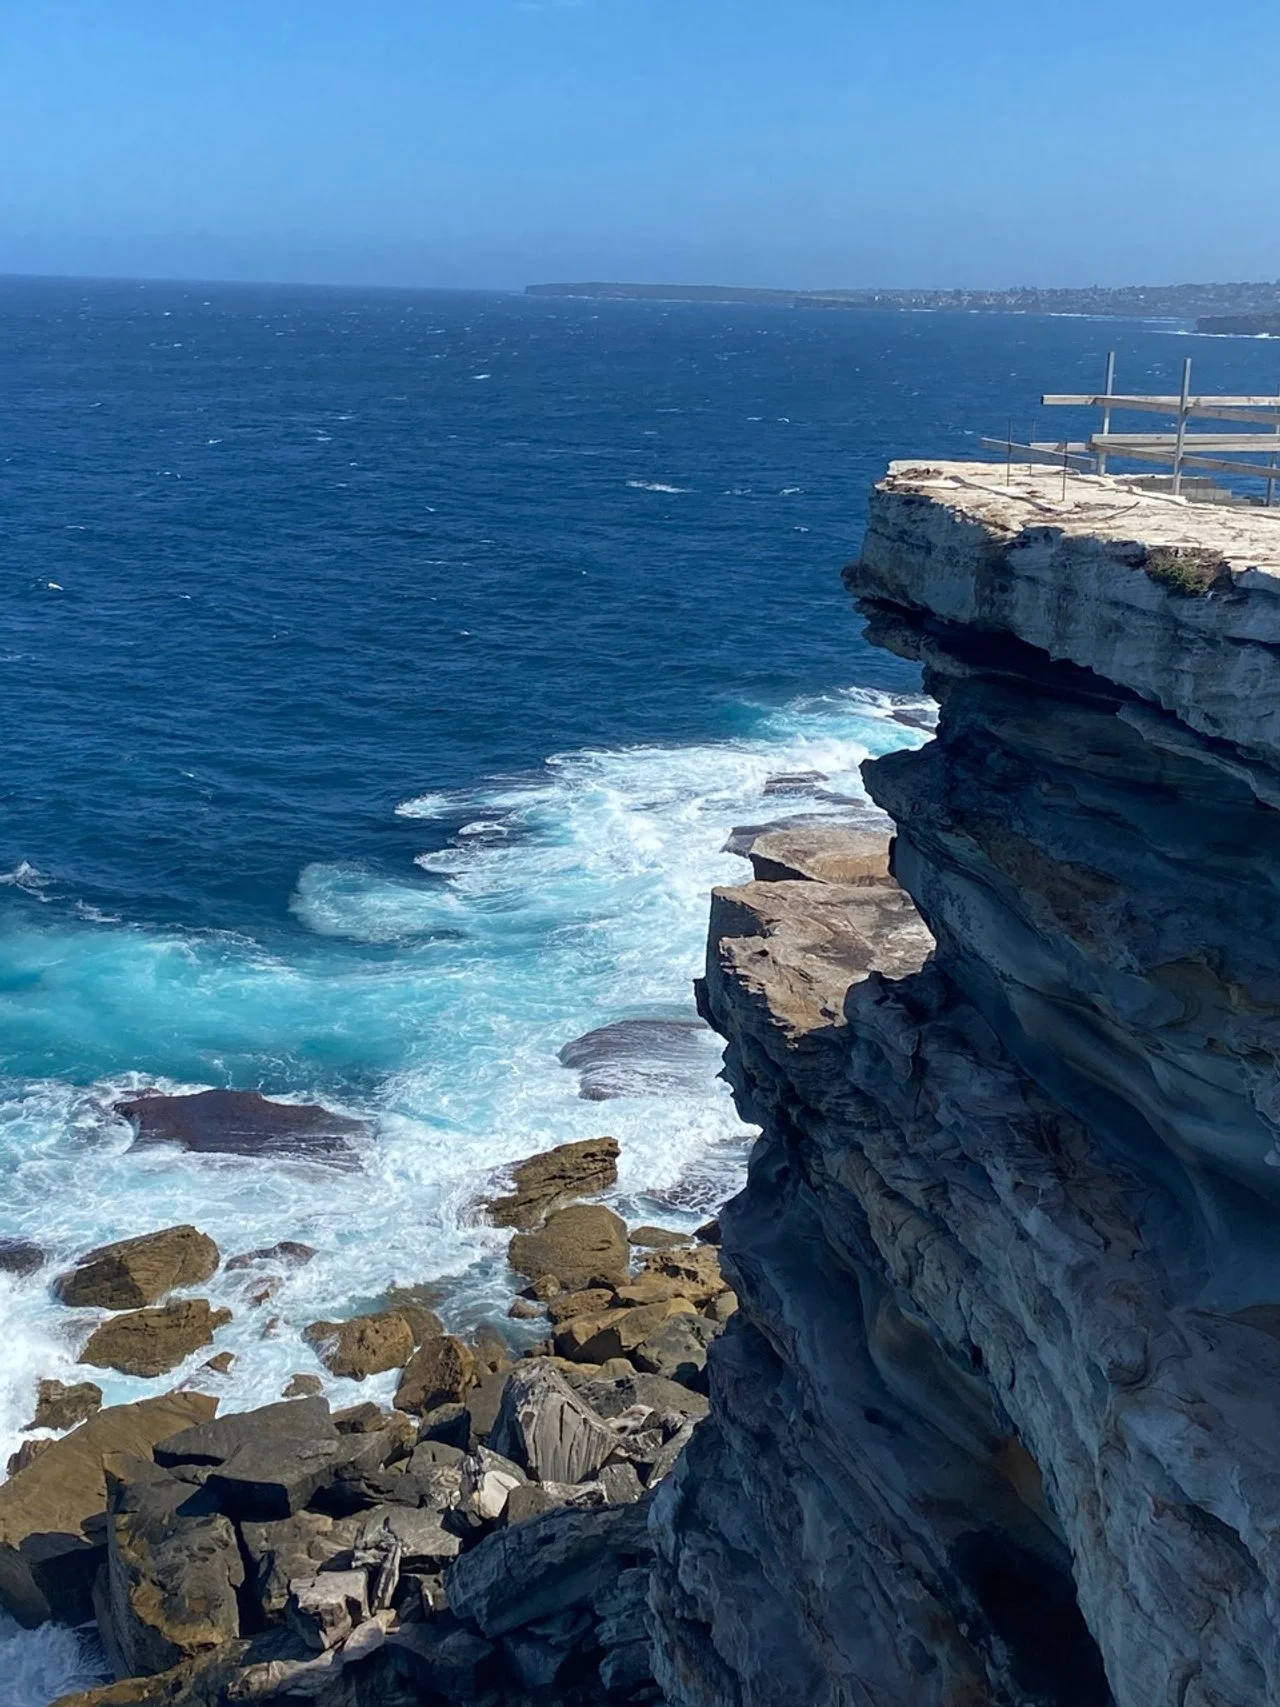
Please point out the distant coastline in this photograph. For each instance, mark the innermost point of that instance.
(1184, 302)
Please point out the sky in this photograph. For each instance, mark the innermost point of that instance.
(496, 143)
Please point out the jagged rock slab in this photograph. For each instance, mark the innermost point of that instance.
(151, 1342)
(49, 1548)
(553, 1179)
(579, 1247)
(829, 853)
(536, 1570)
(245, 1123)
(546, 1427)
(134, 1273)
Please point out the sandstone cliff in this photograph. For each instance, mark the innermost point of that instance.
(997, 1419)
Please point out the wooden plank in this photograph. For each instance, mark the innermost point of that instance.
(1192, 464)
(1263, 442)
(1244, 409)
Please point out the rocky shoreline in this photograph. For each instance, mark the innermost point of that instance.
(483, 1538)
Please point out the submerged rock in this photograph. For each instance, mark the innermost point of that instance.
(640, 1057)
(20, 1257)
(133, 1273)
(151, 1342)
(553, 1179)
(245, 1123)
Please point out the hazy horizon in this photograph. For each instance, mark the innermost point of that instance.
(494, 144)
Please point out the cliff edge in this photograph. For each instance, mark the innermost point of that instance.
(996, 1421)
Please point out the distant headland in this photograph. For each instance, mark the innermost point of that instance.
(1181, 302)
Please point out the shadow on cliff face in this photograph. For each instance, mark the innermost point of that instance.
(1032, 1608)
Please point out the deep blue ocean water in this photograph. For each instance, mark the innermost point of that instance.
(382, 673)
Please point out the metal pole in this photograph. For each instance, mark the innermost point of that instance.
(1008, 467)
(1182, 425)
(1065, 445)
(1271, 484)
(1109, 391)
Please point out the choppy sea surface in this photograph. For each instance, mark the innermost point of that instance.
(382, 675)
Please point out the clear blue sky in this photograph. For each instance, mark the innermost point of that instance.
(497, 142)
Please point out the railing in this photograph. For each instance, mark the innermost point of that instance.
(1186, 453)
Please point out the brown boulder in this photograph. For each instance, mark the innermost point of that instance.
(581, 1246)
(364, 1345)
(60, 1408)
(136, 1272)
(438, 1373)
(595, 1339)
(302, 1387)
(151, 1342)
(593, 1302)
(48, 1554)
(553, 1179)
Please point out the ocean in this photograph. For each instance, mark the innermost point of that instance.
(383, 675)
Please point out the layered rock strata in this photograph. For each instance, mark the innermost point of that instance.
(995, 1421)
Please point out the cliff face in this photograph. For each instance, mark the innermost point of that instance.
(997, 1421)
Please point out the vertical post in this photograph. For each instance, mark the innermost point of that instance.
(1180, 445)
(1066, 445)
(1271, 483)
(1106, 408)
(1008, 466)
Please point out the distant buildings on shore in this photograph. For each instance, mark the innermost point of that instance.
(1228, 306)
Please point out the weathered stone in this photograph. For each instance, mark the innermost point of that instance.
(59, 1407)
(49, 1547)
(134, 1273)
(221, 1363)
(834, 853)
(302, 1387)
(538, 1569)
(424, 1542)
(172, 1575)
(244, 1123)
(26, 1454)
(324, 1610)
(21, 1258)
(553, 1179)
(593, 1302)
(620, 1483)
(486, 1487)
(288, 1253)
(996, 1418)
(693, 1274)
(271, 1479)
(724, 1305)
(525, 1310)
(658, 1239)
(580, 1246)
(650, 1393)
(362, 1345)
(438, 1373)
(450, 1424)
(678, 1349)
(648, 1289)
(292, 1547)
(150, 1342)
(213, 1442)
(549, 1429)
(593, 1339)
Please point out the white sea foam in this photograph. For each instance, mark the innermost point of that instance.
(434, 1007)
(40, 1665)
(654, 486)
